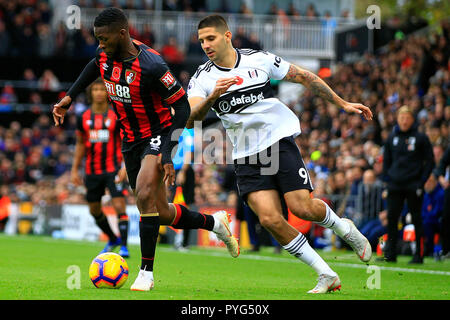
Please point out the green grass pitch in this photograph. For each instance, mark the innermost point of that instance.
(39, 268)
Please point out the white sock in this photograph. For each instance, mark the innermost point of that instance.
(333, 222)
(148, 275)
(300, 248)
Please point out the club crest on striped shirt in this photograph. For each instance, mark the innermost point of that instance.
(130, 75)
(253, 73)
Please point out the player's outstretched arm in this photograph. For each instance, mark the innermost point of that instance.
(200, 106)
(87, 76)
(320, 88)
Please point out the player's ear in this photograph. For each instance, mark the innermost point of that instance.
(123, 33)
(228, 35)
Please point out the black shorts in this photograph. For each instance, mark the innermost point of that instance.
(97, 183)
(279, 167)
(134, 155)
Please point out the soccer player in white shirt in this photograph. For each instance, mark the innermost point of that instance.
(235, 84)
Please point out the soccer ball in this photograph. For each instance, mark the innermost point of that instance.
(108, 270)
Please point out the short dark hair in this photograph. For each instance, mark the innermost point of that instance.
(215, 21)
(114, 17)
(89, 88)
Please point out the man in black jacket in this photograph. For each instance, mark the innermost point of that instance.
(407, 163)
(440, 173)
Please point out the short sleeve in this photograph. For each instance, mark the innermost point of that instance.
(195, 89)
(276, 67)
(165, 83)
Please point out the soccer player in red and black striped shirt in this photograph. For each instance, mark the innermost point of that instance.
(142, 89)
(98, 140)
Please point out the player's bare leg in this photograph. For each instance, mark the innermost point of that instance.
(267, 205)
(119, 205)
(303, 206)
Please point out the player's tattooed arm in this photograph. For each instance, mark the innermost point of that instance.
(314, 83)
(199, 110)
(320, 88)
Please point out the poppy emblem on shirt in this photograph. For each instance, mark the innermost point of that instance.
(130, 75)
(116, 73)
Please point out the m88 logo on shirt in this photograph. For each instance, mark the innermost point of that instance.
(101, 135)
(115, 89)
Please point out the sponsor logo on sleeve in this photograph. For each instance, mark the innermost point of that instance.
(168, 80)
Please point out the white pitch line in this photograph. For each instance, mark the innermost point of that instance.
(361, 266)
(291, 260)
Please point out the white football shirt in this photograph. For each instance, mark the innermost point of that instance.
(253, 117)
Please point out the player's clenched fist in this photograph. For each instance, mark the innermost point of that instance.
(60, 109)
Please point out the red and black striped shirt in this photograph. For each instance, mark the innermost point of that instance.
(101, 137)
(141, 90)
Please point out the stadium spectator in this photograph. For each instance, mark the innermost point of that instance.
(375, 228)
(48, 81)
(311, 13)
(273, 10)
(245, 10)
(371, 205)
(441, 174)
(240, 40)
(5, 206)
(194, 48)
(341, 187)
(46, 40)
(8, 95)
(173, 55)
(369, 200)
(5, 40)
(147, 36)
(329, 22)
(432, 208)
(408, 162)
(30, 77)
(89, 44)
(253, 42)
(61, 39)
(293, 12)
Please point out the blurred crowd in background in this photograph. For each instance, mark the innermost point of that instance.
(342, 151)
(26, 26)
